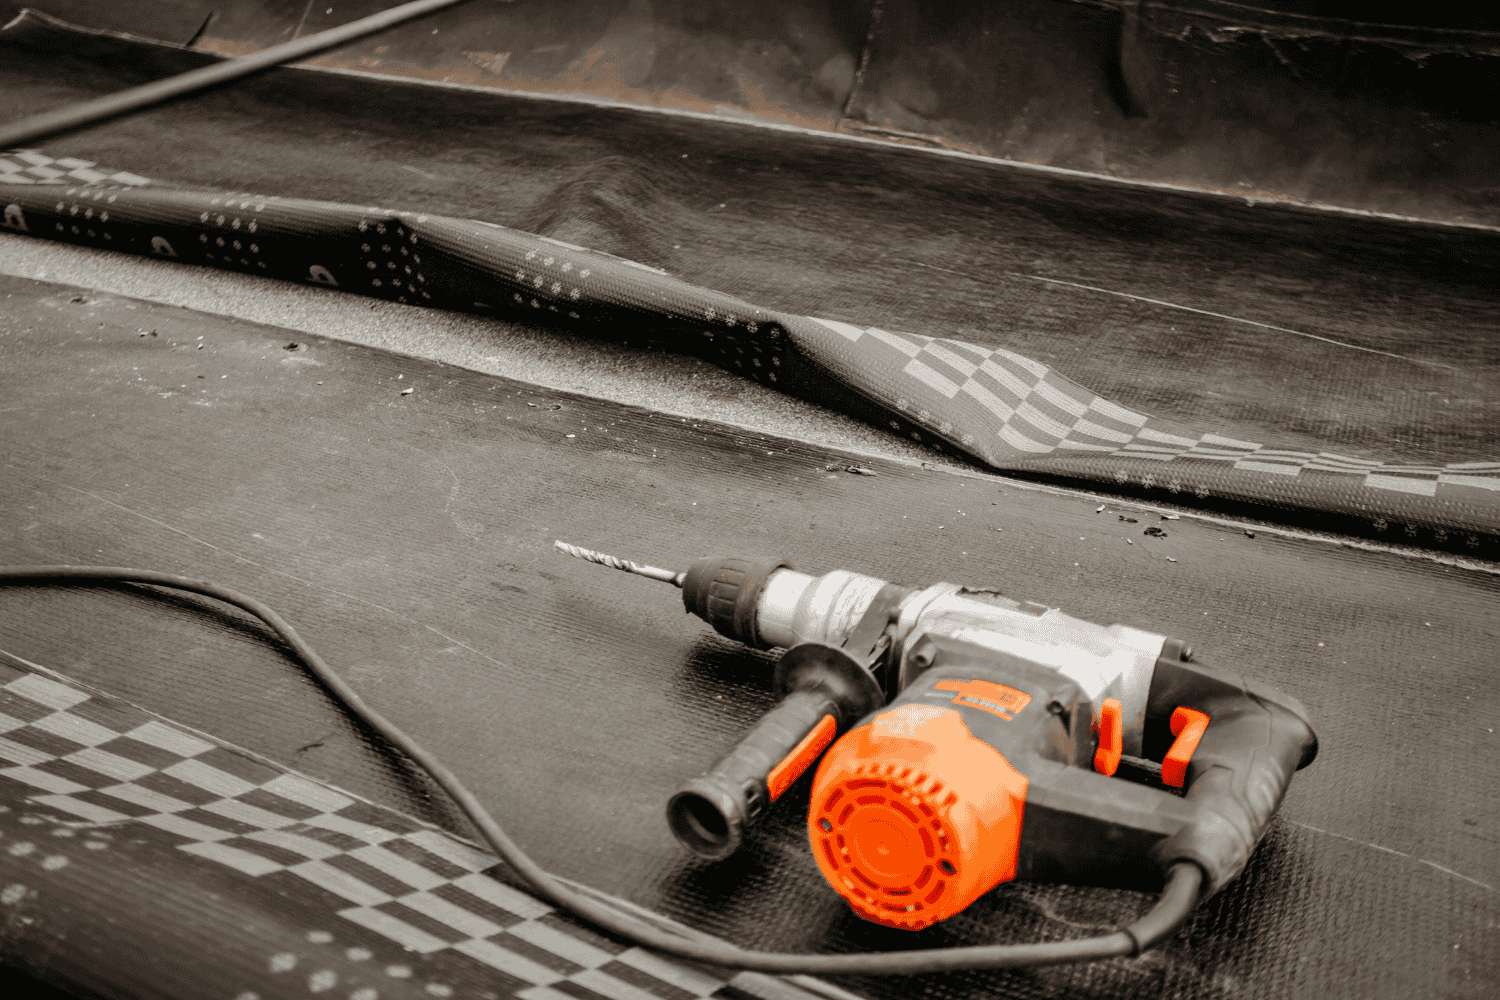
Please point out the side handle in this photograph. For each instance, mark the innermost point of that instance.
(1256, 739)
(824, 690)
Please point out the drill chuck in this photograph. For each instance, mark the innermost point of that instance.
(764, 602)
(726, 593)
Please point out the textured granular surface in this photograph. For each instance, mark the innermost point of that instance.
(408, 536)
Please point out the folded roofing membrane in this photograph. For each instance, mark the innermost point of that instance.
(985, 387)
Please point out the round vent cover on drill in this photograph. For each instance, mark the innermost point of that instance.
(913, 818)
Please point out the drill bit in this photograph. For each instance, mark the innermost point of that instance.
(615, 562)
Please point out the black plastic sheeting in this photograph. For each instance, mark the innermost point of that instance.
(923, 374)
(408, 537)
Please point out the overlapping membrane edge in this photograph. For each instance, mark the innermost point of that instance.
(1009, 411)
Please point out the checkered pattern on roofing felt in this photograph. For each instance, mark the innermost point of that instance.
(412, 898)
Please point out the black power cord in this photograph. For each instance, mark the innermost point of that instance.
(1177, 899)
(85, 113)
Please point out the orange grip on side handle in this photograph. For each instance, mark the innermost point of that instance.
(803, 755)
(1188, 726)
(1256, 739)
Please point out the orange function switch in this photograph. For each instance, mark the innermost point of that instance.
(1111, 738)
(1188, 726)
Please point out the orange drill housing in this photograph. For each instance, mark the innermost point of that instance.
(913, 818)
(922, 807)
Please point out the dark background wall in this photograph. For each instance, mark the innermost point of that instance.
(1388, 108)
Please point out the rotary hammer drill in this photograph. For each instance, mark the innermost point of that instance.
(963, 739)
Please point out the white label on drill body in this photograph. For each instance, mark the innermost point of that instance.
(1086, 669)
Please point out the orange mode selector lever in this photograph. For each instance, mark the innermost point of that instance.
(1188, 727)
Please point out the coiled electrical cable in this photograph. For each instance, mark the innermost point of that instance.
(1177, 900)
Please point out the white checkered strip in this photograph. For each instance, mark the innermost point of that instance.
(409, 883)
(997, 404)
(27, 166)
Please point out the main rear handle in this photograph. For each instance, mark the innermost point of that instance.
(1257, 738)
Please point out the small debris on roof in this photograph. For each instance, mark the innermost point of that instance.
(1100, 509)
(860, 470)
(1171, 517)
(1249, 534)
(292, 345)
(1170, 559)
(407, 392)
(1155, 532)
(1127, 520)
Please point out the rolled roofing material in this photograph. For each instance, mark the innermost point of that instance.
(1241, 98)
